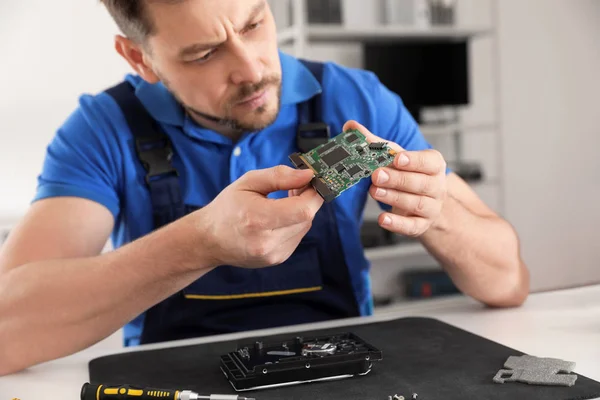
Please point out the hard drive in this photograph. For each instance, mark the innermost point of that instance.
(261, 365)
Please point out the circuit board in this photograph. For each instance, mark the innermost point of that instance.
(342, 162)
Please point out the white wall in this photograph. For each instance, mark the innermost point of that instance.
(550, 66)
(51, 53)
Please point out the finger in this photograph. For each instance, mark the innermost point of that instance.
(293, 210)
(430, 162)
(407, 203)
(410, 182)
(407, 226)
(371, 138)
(297, 192)
(274, 179)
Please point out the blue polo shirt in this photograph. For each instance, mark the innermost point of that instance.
(92, 154)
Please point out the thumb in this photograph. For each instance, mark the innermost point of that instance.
(371, 138)
(277, 178)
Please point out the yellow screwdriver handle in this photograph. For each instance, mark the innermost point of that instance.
(125, 392)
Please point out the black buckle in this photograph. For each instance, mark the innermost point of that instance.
(312, 135)
(156, 155)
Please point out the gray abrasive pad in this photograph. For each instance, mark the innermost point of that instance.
(537, 371)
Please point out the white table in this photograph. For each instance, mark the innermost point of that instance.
(563, 324)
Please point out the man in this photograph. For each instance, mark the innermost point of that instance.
(257, 247)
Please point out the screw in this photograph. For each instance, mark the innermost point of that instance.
(414, 396)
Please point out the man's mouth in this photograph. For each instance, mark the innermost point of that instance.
(255, 101)
(252, 98)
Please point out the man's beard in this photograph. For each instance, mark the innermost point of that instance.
(227, 121)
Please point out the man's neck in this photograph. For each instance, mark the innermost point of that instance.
(226, 131)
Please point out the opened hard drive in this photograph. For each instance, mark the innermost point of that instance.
(261, 365)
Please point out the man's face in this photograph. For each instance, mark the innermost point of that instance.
(219, 58)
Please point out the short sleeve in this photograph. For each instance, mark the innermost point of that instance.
(81, 162)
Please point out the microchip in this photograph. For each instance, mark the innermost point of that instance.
(355, 170)
(377, 146)
(326, 147)
(335, 156)
(342, 162)
(351, 138)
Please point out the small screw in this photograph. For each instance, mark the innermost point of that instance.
(414, 396)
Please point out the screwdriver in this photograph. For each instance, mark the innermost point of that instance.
(127, 392)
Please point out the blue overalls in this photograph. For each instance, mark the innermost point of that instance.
(312, 285)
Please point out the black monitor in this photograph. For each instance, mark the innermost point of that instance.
(422, 73)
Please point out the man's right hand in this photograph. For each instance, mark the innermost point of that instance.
(51, 257)
(245, 228)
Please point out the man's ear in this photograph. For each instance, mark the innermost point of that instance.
(134, 55)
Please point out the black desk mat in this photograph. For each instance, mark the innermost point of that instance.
(420, 355)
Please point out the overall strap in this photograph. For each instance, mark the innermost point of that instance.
(155, 152)
(312, 129)
(154, 149)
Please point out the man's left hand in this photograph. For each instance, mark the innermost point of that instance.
(414, 185)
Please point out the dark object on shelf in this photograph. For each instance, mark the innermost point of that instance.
(381, 301)
(442, 13)
(373, 235)
(324, 11)
(467, 170)
(425, 284)
(433, 73)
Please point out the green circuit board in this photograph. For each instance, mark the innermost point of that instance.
(342, 162)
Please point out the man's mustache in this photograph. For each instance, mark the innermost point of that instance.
(247, 91)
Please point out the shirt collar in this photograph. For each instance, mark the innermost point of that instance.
(298, 85)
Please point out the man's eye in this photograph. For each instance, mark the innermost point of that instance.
(204, 58)
(253, 26)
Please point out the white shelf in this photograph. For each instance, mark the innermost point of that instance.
(399, 250)
(332, 33)
(286, 36)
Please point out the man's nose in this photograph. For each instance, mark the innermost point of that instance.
(246, 66)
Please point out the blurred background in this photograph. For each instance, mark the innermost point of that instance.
(506, 89)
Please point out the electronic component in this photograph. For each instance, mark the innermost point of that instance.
(335, 156)
(354, 170)
(299, 360)
(342, 162)
(377, 146)
(351, 138)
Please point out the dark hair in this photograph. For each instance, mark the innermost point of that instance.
(131, 18)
